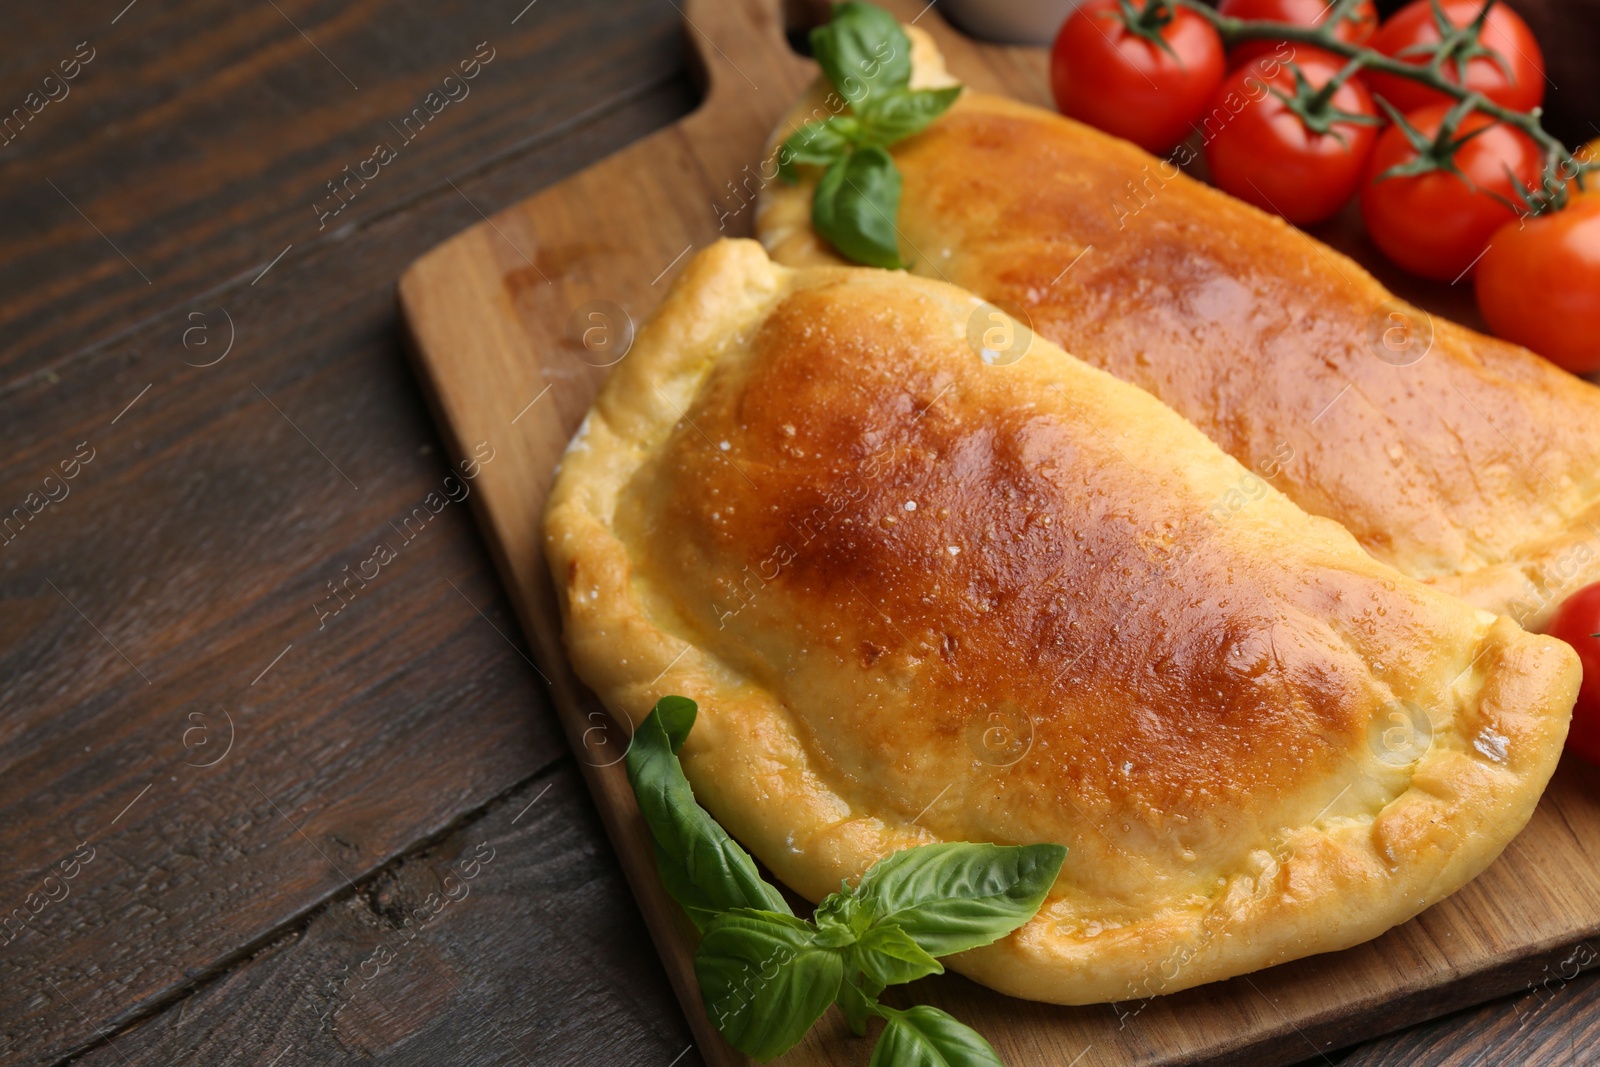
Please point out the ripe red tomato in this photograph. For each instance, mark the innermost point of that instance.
(1586, 153)
(1539, 284)
(1576, 622)
(1504, 32)
(1355, 29)
(1106, 74)
(1435, 224)
(1266, 155)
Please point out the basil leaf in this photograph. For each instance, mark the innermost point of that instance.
(903, 112)
(862, 50)
(677, 718)
(817, 143)
(841, 909)
(858, 1004)
(703, 868)
(765, 980)
(927, 1037)
(700, 905)
(855, 206)
(887, 955)
(955, 896)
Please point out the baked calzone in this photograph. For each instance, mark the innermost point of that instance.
(931, 579)
(1462, 460)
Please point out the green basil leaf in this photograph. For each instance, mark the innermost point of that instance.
(887, 954)
(862, 50)
(858, 1003)
(902, 112)
(855, 206)
(842, 910)
(703, 868)
(820, 143)
(927, 1037)
(955, 896)
(700, 905)
(765, 980)
(677, 718)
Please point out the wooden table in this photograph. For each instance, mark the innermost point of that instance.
(266, 801)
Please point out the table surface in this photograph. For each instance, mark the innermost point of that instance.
(266, 800)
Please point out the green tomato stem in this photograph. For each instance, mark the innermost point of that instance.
(1323, 97)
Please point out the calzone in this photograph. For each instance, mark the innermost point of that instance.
(930, 582)
(1459, 459)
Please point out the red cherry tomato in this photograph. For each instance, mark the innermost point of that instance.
(1576, 622)
(1518, 85)
(1355, 29)
(1266, 155)
(1586, 153)
(1435, 224)
(1106, 74)
(1539, 284)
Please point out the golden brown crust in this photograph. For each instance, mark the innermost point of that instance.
(921, 597)
(1476, 468)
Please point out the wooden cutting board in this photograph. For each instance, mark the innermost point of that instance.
(512, 323)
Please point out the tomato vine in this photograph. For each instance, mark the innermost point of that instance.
(1458, 45)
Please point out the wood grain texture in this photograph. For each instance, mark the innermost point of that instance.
(492, 335)
(197, 543)
(200, 139)
(1553, 1021)
(401, 973)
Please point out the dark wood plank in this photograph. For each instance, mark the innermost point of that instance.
(514, 940)
(201, 137)
(1553, 1022)
(186, 556)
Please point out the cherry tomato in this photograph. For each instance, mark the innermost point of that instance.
(1575, 623)
(1266, 155)
(1539, 284)
(1435, 224)
(1355, 29)
(1588, 153)
(1504, 32)
(1106, 74)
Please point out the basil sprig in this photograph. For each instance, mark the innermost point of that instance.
(867, 56)
(704, 869)
(765, 978)
(766, 975)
